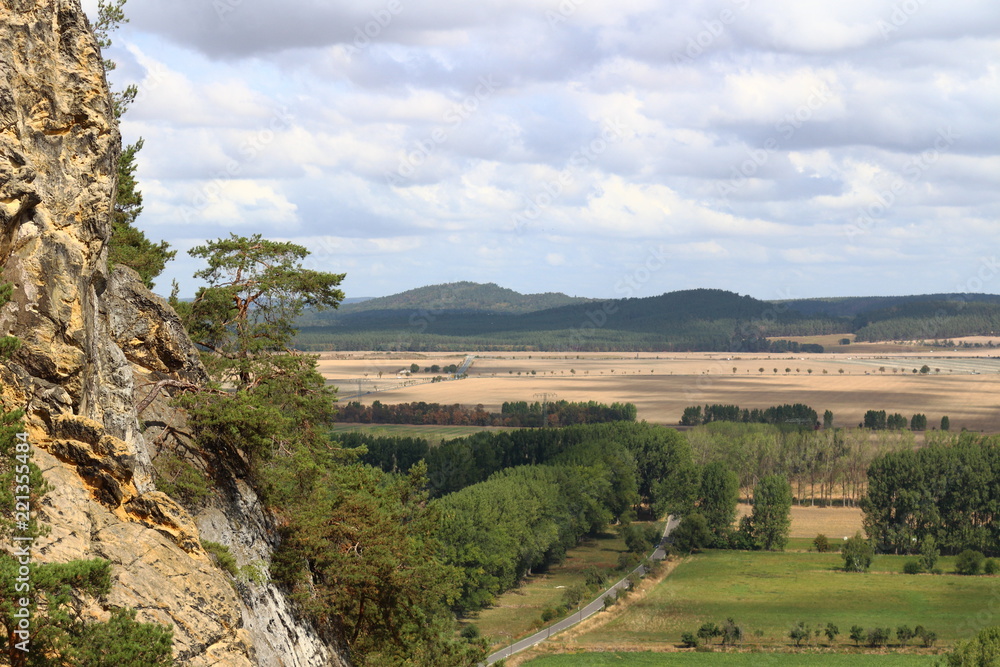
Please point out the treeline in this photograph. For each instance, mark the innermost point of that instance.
(827, 466)
(564, 484)
(637, 450)
(781, 346)
(878, 420)
(929, 320)
(516, 414)
(798, 414)
(949, 495)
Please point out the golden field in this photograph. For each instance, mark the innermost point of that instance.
(965, 384)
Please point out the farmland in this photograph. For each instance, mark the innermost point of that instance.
(758, 659)
(965, 384)
(768, 593)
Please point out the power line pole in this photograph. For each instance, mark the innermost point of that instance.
(545, 396)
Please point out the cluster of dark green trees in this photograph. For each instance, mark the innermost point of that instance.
(780, 346)
(517, 413)
(797, 415)
(359, 549)
(878, 420)
(948, 494)
(929, 320)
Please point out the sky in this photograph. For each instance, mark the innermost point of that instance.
(778, 148)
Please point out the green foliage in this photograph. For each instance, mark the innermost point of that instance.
(831, 632)
(123, 642)
(912, 567)
(983, 650)
(719, 493)
(689, 640)
(800, 632)
(918, 422)
(991, 566)
(8, 344)
(904, 634)
(771, 518)
(709, 630)
(692, 533)
(879, 637)
(875, 419)
(821, 543)
(929, 553)
(360, 556)
(857, 553)
(128, 245)
(514, 413)
(858, 634)
(895, 421)
(256, 288)
(222, 556)
(180, 480)
(969, 562)
(640, 539)
(945, 423)
(519, 519)
(945, 492)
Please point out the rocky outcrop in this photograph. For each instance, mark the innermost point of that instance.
(97, 344)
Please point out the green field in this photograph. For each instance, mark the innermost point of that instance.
(434, 435)
(768, 593)
(518, 612)
(691, 659)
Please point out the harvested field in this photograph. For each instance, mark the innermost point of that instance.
(964, 385)
(808, 522)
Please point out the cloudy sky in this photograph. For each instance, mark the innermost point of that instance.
(777, 148)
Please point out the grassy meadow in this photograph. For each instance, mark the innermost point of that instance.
(692, 659)
(518, 612)
(768, 593)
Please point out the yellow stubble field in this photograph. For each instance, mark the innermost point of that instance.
(965, 385)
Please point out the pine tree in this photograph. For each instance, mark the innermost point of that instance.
(128, 244)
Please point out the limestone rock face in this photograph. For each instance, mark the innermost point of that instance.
(95, 345)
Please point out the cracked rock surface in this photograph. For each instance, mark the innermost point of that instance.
(94, 341)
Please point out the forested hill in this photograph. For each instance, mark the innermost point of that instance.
(852, 306)
(457, 297)
(686, 320)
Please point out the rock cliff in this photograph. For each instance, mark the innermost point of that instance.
(95, 343)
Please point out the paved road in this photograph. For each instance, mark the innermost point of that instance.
(465, 365)
(585, 612)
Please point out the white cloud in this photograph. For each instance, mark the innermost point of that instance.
(748, 155)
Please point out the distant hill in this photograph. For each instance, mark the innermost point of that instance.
(851, 306)
(685, 320)
(471, 316)
(460, 297)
